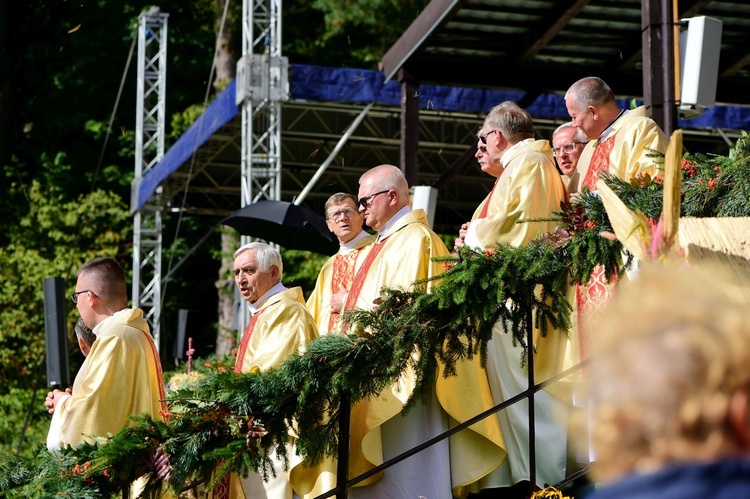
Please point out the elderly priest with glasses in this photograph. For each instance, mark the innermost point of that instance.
(527, 187)
(400, 257)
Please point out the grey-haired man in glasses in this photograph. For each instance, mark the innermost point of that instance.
(567, 144)
(527, 187)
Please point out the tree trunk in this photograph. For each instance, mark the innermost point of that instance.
(230, 43)
(226, 336)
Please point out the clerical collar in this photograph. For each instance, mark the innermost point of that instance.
(383, 233)
(349, 246)
(98, 328)
(255, 306)
(608, 130)
(506, 157)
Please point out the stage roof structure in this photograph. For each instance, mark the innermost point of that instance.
(543, 46)
(468, 55)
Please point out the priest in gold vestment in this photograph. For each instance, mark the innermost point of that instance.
(401, 255)
(121, 374)
(279, 327)
(325, 304)
(336, 276)
(621, 144)
(528, 186)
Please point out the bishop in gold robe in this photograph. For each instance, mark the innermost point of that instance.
(401, 255)
(279, 327)
(528, 186)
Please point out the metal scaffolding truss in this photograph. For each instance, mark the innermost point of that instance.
(149, 150)
(262, 84)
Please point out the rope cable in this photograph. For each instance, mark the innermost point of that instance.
(195, 149)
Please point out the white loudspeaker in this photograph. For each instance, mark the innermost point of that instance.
(700, 45)
(425, 197)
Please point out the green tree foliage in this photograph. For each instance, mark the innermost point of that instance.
(345, 32)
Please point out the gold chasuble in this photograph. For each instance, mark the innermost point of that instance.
(338, 270)
(403, 256)
(121, 376)
(623, 151)
(529, 187)
(281, 327)
(633, 134)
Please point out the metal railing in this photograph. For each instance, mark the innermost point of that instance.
(341, 491)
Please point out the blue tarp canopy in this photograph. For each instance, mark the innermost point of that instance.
(364, 86)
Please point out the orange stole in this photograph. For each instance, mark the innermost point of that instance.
(245, 340)
(359, 279)
(343, 275)
(590, 300)
(221, 490)
(599, 162)
(483, 213)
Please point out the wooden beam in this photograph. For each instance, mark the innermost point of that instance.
(455, 168)
(658, 63)
(409, 127)
(436, 13)
(552, 23)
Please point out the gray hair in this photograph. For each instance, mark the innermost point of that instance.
(590, 91)
(512, 121)
(265, 255)
(83, 332)
(579, 136)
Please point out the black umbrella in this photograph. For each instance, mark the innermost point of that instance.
(286, 224)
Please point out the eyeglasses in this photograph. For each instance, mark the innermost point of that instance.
(483, 137)
(74, 296)
(365, 202)
(346, 212)
(566, 148)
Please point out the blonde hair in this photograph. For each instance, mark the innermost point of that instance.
(672, 352)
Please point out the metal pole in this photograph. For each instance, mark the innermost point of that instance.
(530, 392)
(342, 467)
(324, 166)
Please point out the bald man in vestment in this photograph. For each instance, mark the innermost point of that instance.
(401, 256)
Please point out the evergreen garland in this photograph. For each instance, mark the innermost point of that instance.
(221, 421)
(718, 186)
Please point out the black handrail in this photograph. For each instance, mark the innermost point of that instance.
(341, 490)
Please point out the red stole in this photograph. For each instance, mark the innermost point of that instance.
(591, 297)
(599, 162)
(245, 340)
(483, 213)
(359, 278)
(343, 275)
(221, 490)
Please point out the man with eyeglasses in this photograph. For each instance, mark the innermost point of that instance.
(527, 187)
(336, 276)
(621, 139)
(401, 256)
(122, 373)
(567, 145)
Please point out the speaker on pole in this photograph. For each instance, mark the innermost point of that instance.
(58, 373)
(180, 344)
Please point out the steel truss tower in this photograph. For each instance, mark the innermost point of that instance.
(262, 84)
(149, 150)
